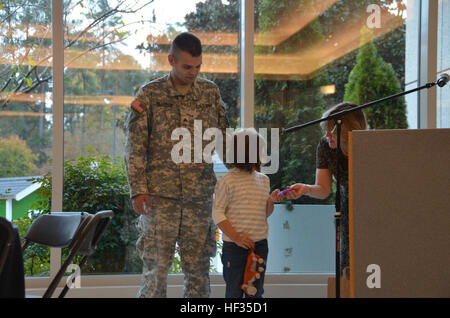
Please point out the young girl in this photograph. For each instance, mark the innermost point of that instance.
(241, 208)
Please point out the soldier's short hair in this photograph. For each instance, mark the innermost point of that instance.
(187, 42)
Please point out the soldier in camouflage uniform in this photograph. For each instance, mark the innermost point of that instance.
(174, 200)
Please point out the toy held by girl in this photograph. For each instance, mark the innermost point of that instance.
(243, 203)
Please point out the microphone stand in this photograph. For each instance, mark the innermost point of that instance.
(337, 118)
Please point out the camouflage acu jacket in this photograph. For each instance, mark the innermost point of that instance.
(156, 112)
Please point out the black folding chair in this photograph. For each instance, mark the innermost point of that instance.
(55, 229)
(6, 240)
(79, 231)
(12, 282)
(83, 244)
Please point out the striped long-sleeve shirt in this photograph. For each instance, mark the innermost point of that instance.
(241, 199)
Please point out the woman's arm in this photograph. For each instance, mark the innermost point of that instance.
(320, 190)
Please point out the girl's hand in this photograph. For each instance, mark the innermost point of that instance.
(275, 198)
(244, 241)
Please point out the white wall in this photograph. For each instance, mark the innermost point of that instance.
(302, 240)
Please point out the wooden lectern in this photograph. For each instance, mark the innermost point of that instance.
(399, 212)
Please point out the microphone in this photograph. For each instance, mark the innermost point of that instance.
(443, 80)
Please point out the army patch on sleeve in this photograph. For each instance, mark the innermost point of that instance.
(137, 105)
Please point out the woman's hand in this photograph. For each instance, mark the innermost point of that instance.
(297, 190)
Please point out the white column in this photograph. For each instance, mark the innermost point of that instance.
(247, 62)
(427, 62)
(58, 119)
(411, 61)
(9, 209)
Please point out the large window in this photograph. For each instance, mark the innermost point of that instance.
(111, 48)
(309, 56)
(25, 115)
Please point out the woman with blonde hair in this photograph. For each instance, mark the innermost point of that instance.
(326, 167)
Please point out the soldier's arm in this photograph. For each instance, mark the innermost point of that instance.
(136, 146)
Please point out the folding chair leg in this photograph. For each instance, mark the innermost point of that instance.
(59, 275)
(66, 288)
(25, 245)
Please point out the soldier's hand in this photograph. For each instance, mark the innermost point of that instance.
(138, 204)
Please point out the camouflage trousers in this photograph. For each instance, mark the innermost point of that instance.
(187, 223)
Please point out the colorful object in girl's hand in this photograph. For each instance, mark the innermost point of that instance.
(284, 192)
(253, 270)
